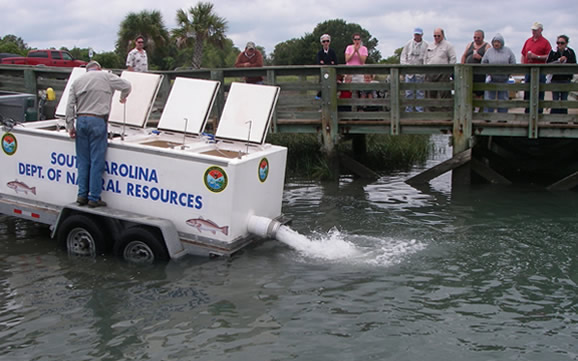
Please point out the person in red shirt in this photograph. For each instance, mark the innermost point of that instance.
(535, 51)
(344, 94)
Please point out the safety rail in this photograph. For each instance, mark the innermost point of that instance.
(313, 99)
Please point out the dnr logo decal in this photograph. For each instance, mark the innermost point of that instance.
(215, 179)
(263, 170)
(9, 143)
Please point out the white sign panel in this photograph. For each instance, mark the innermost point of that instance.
(247, 112)
(139, 103)
(189, 105)
(63, 103)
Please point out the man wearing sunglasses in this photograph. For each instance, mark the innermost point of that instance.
(137, 58)
(440, 51)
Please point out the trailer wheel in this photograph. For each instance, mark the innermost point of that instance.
(141, 245)
(82, 236)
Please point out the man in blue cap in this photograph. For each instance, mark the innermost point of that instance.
(413, 53)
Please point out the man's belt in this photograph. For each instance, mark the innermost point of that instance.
(105, 116)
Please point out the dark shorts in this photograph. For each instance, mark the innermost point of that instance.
(479, 78)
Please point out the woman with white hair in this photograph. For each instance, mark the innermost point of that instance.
(326, 56)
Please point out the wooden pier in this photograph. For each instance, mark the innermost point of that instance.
(310, 102)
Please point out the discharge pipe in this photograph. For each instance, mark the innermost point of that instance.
(263, 227)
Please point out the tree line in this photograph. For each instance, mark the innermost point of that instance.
(200, 41)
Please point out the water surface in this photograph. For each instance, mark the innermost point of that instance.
(387, 272)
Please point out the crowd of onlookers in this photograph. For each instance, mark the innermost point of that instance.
(536, 50)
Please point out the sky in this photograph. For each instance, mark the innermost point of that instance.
(95, 24)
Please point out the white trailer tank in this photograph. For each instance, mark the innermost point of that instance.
(171, 190)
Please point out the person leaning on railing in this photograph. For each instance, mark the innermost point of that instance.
(498, 54)
(474, 53)
(413, 53)
(562, 55)
(535, 51)
(250, 58)
(326, 56)
(440, 51)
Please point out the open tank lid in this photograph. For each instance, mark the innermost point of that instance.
(247, 113)
(139, 103)
(63, 102)
(188, 106)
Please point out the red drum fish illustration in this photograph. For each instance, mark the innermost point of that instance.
(206, 225)
(17, 186)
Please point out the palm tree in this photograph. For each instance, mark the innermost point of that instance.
(198, 26)
(148, 24)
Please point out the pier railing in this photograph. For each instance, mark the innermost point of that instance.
(336, 101)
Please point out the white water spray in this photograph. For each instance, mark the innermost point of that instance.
(330, 248)
(334, 246)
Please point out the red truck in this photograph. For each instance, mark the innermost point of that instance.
(45, 57)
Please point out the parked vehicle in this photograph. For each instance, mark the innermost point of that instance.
(8, 55)
(48, 57)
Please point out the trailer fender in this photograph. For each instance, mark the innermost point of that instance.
(126, 220)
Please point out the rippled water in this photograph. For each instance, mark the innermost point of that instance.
(386, 272)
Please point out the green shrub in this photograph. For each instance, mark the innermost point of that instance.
(385, 153)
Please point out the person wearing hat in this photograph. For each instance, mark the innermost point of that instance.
(250, 58)
(535, 51)
(537, 47)
(326, 56)
(136, 59)
(413, 53)
(89, 103)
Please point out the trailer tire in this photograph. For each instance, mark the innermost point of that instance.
(141, 245)
(82, 236)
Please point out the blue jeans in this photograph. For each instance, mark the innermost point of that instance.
(91, 144)
(491, 95)
(560, 96)
(540, 94)
(419, 94)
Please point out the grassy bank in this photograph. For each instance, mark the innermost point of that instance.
(385, 153)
